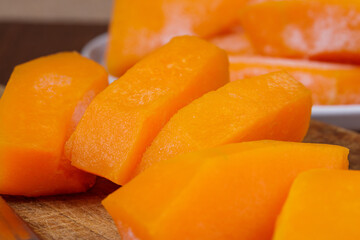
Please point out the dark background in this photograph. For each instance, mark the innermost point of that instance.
(21, 42)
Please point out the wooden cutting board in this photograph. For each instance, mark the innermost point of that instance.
(81, 216)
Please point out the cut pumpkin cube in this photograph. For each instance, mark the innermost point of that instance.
(40, 108)
(123, 120)
(329, 83)
(322, 205)
(229, 192)
(273, 106)
(314, 29)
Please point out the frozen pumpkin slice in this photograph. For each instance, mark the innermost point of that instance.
(323, 205)
(229, 192)
(273, 106)
(123, 120)
(315, 29)
(40, 108)
(329, 83)
(233, 42)
(140, 26)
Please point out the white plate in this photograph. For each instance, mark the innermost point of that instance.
(347, 116)
(95, 50)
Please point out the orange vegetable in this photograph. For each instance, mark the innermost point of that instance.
(124, 119)
(329, 83)
(316, 29)
(323, 205)
(229, 192)
(233, 42)
(273, 106)
(41, 106)
(140, 26)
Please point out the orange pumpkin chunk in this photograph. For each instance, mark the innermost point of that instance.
(40, 108)
(323, 205)
(229, 192)
(273, 106)
(329, 83)
(140, 26)
(316, 29)
(123, 120)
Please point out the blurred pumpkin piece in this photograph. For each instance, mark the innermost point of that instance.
(140, 26)
(234, 41)
(326, 30)
(329, 83)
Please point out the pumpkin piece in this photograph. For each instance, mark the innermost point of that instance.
(323, 205)
(326, 30)
(273, 106)
(140, 26)
(329, 83)
(40, 108)
(229, 192)
(123, 120)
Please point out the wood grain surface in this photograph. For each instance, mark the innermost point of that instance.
(324, 133)
(76, 216)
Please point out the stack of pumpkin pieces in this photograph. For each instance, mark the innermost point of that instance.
(199, 153)
(261, 36)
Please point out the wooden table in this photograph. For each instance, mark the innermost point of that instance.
(20, 42)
